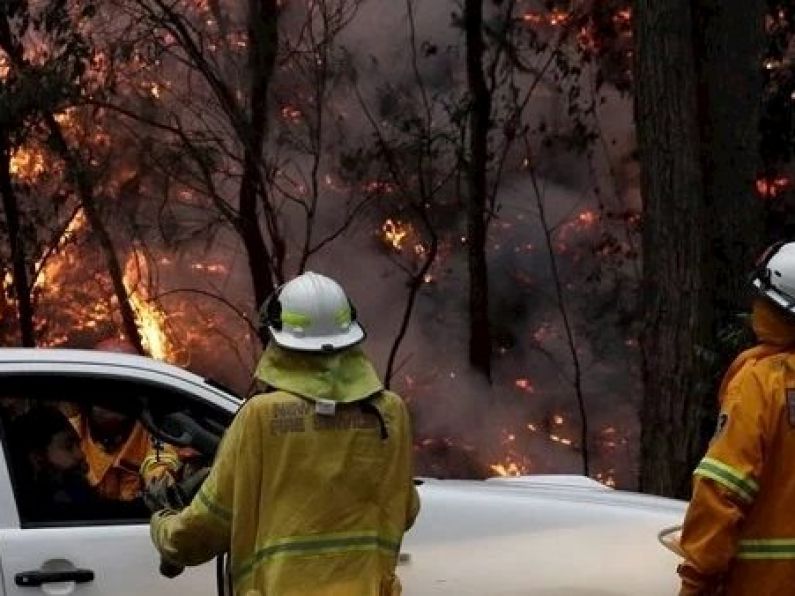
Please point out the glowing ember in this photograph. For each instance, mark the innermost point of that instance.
(508, 437)
(292, 114)
(587, 218)
(607, 477)
(207, 267)
(378, 187)
(395, 232)
(770, 188)
(27, 164)
(554, 18)
(525, 385)
(558, 17)
(623, 16)
(533, 18)
(558, 419)
(561, 440)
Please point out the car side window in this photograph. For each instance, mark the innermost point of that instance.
(81, 450)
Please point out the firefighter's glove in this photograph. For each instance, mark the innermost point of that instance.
(696, 584)
(169, 569)
(162, 493)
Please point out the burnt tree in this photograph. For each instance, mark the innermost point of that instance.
(477, 200)
(16, 242)
(263, 35)
(698, 150)
(244, 106)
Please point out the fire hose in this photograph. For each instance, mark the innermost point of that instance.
(669, 538)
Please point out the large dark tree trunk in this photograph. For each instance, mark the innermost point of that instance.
(698, 148)
(729, 49)
(263, 45)
(16, 241)
(673, 241)
(479, 122)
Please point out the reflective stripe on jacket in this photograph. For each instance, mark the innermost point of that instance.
(310, 504)
(740, 526)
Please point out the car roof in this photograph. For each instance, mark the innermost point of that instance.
(129, 365)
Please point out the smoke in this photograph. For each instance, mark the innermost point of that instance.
(528, 415)
(527, 418)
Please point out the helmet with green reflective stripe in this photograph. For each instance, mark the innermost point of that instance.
(774, 276)
(312, 313)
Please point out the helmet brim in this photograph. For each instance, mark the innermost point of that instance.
(778, 298)
(325, 344)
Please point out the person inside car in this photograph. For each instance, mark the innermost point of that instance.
(122, 455)
(51, 468)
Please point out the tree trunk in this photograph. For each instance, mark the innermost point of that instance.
(698, 149)
(85, 193)
(263, 45)
(479, 122)
(16, 241)
(729, 54)
(675, 319)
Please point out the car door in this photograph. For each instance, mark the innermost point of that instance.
(98, 557)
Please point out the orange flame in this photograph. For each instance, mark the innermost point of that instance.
(149, 316)
(510, 466)
(554, 18)
(27, 164)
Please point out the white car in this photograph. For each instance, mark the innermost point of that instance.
(543, 535)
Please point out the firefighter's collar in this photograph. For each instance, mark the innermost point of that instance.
(342, 377)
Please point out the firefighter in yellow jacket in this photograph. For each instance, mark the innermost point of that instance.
(311, 490)
(739, 531)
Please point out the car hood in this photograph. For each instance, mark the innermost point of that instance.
(476, 537)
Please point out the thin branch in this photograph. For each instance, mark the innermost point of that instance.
(254, 329)
(567, 325)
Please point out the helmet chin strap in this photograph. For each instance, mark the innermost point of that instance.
(270, 313)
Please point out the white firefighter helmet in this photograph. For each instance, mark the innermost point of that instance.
(775, 275)
(312, 313)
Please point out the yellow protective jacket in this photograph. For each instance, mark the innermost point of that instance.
(739, 531)
(308, 502)
(120, 475)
